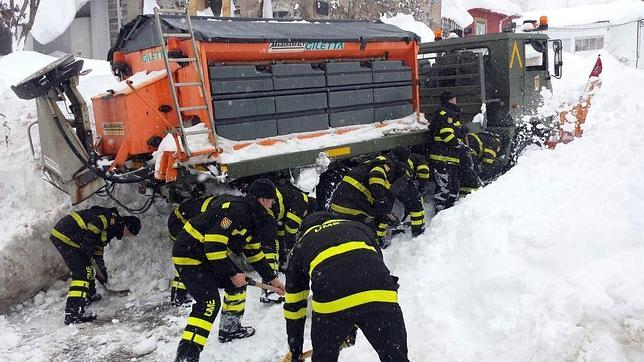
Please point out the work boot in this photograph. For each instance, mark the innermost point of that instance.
(81, 317)
(187, 352)
(93, 298)
(240, 333)
(180, 298)
(269, 296)
(417, 231)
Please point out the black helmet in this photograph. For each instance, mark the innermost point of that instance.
(401, 153)
(262, 188)
(133, 224)
(446, 96)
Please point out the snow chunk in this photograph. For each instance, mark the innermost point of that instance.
(408, 23)
(9, 338)
(53, 18)
(144, 347)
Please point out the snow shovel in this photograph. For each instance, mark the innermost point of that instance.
(257, 284)
(109, 291)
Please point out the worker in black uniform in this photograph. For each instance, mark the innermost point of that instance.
(290, 207)
(200, 255)
(445, 150)
(364, 194)
(351, 285)
(80, 238)
(485, 149)
(409, 187)
(188, 209)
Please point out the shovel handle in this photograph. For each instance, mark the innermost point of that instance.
(257, 284)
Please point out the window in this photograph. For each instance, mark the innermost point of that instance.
(322, 8)
(481, 27)
(535, 55)
(589, 43)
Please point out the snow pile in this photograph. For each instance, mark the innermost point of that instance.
(498, 6)
(408, 23)
(614, 12)
(456, 10)
(529, 5)
(53, 17)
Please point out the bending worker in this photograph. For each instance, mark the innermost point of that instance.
(351, 285)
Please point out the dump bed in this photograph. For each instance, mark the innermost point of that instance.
(272, 81)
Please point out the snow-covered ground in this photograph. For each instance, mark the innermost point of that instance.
(544, 264)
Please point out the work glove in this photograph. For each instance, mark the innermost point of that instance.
(101, 274)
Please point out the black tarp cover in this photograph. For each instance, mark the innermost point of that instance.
(141, 32)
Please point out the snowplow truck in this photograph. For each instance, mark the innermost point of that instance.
(226, 99)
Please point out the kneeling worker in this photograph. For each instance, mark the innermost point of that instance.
(351, 286)
(201, 258)
(80, 237)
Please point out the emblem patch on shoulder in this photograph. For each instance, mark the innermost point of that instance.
(225, 223)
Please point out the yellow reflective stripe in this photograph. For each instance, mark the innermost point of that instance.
(281, 232)
(479, 141)
(490, 152)
(444, 159)
(337, 250)
(447, 130)
(241, 232)
(215, 238)
(103, 220)
(290, 229)
(423, 176)
(79, 283)
(234, 297)
(255, 258)
(381, 233)
(177, 213)
(379, 169)
(93, 229)
(77, 294)
(198, 322)
(185, 261)
(253, 246)
(79, 220)
(177, 285)
(216, 255)
(249, 238)
(379, 181)
(205, 204)
(422, 167)
(294, 217)
(280, 204)
(225, 205)
(305, 197)
(193, 337)
(193, 232)
(442, 113)
(346, 210)
(410, 163)
(296, 297)
(370, 296)
(57, 234)
(417, 213)
(467, 189)
(457, 123)
(295, 315)
(270, 256)
(449, 138)
(353, 182)
(233, 308)
(418, 222)
(488, 160)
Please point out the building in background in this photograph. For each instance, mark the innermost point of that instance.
(616, 27)
(478, 17)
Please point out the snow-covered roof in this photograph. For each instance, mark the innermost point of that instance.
(614, 12)
(498, 6)
(456, 10)
(408, 23)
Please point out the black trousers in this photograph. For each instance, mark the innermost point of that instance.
(385, 331)
(407, 193)
(82, 272)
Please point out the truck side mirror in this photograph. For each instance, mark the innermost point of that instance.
(558, 61)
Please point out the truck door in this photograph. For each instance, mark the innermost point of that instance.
(536, 72)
